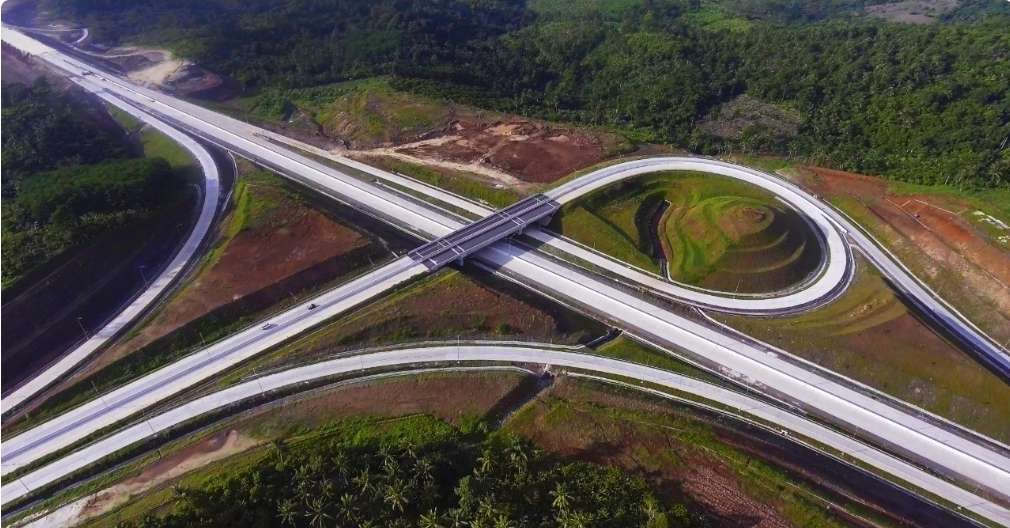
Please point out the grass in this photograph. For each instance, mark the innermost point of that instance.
(708, 218)
(627, 349)
(713, 17)
(947, 281)
(468, 185)
(663, 445)
(154, 143)
(258, 200)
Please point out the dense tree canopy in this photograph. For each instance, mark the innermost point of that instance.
(928, 104)
(45, 129)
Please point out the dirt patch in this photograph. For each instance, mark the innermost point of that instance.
(431, 311)
(448, 396)
(912, 11)
(531, 151)
(214, 448)
(278, 240)
(745, 113)
(937, 233)
(22, 68)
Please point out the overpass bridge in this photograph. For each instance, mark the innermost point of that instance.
(486, 231)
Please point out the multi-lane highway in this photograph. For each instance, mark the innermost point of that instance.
(153, 291)
(142, 393)
(542, 354)
(906, 433)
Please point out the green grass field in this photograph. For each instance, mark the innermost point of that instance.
(714, 232)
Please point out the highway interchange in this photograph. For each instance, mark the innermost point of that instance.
(944, 449)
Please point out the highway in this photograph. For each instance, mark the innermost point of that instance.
(154, 387)
(153, 292)
(941, 450)
(454, 355)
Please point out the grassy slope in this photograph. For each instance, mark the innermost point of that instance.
(669, 445)
(695, 230)
(868, 334)
(470, 186)
(423, 311)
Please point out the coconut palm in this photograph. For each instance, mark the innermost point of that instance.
(430, 519)
(562, 500)
(317, 513)
(396, 496)
(288, 511)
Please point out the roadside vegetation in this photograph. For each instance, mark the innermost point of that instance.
(684, 471)
(696, 229)
(466, 185)
(69, 178)
(430, 310)
(420, 472)
(710, 76)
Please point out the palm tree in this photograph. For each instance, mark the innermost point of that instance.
(423, 469)
(288, 511)
(502, 521)
(562, 500)
(485, 462)
(456, 518)
(364, 481)
(650, 507)
(348, 506)
(431, 519)
(396, 496)
(317, 513)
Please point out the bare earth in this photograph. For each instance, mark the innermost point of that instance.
(937, 229)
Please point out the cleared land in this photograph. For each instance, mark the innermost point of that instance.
(696, 229)
(868, 334)
(369, 119)
(460, 400)
(957, 241)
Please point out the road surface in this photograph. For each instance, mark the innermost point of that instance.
(412, 357)
(939, 449)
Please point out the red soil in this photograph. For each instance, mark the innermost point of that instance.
(934, 227)
(532, 151)
(284, 240)
(678, 468)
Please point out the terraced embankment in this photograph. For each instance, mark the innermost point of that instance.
(701, 230)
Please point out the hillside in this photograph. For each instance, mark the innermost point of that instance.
(846, 84)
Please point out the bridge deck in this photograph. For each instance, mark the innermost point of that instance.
(485, 231)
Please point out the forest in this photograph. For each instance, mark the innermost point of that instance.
(920, 103)
(426, 474)
(67, 177)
